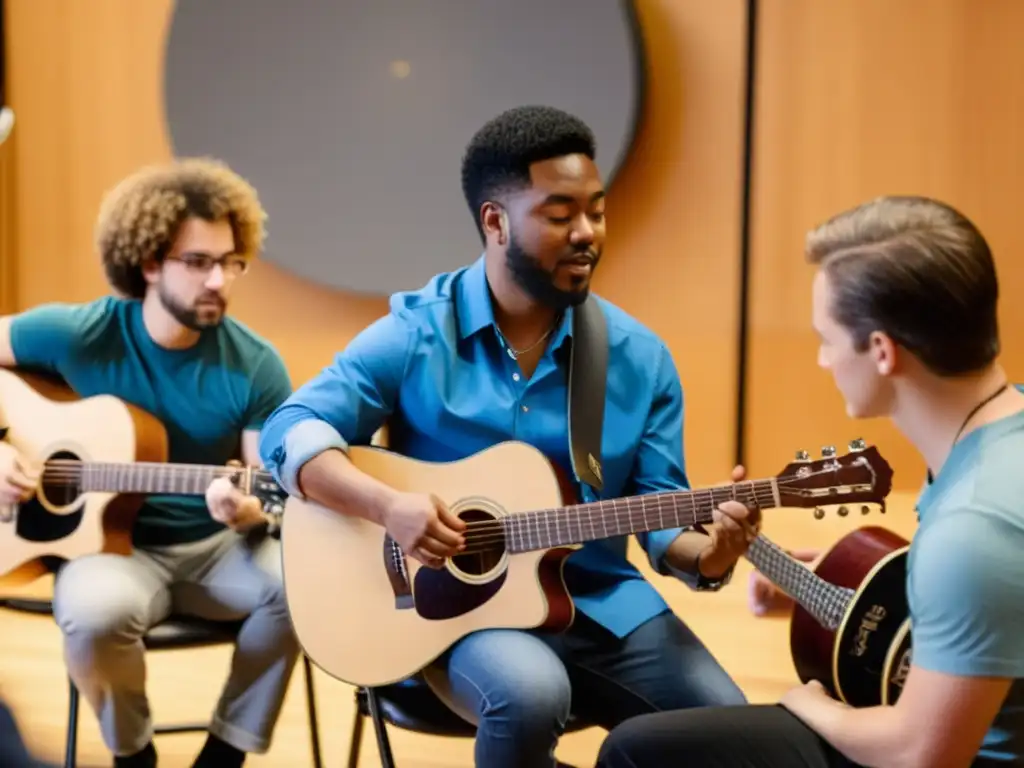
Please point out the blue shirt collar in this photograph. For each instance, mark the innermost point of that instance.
(475, 312)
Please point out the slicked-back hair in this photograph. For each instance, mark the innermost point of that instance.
(919, 271)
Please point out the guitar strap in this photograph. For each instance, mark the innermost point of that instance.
(588, 375)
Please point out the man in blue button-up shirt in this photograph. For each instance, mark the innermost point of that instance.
(480, 356)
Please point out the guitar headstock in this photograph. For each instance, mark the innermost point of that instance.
(861, 476)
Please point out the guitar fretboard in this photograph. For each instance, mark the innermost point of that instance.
(826, 602)
(152, 478)
(579, 523)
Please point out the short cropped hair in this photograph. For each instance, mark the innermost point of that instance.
(918, 270)
(140, 217)
(499, 156)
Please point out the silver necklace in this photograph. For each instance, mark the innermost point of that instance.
(516, 353)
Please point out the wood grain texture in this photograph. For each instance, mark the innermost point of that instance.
(184, 686)
(860, 98)
(86, 80)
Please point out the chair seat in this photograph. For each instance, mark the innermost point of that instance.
(413, 706)
(188, 632)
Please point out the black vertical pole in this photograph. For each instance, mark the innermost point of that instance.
(748, 154)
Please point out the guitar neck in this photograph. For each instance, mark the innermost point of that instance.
(579, 523)
(150, 478)
(824, 601)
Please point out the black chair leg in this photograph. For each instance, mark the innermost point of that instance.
(71, 738)
(314, 721)
(356, 742)
(27, 605)
(383, 743)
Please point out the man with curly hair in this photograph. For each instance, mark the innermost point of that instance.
(480, 356)
(174, 239)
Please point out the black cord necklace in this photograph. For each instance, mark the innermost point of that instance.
(970, 416)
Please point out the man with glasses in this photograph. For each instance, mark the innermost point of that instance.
(173, 240)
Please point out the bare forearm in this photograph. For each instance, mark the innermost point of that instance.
(684, 550)
(875, 737)
(332, 480)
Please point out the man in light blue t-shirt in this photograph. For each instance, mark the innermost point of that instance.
(905, 306)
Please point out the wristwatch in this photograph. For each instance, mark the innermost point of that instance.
(704, 584)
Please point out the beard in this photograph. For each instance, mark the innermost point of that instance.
(193, 318)
(539, 283)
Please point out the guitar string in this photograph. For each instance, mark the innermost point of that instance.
(483, 533)
(521, 525)
(500, 526)
(522, 529)
(496, 531)
(673, 496)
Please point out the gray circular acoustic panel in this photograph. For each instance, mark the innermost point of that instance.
(351, 116)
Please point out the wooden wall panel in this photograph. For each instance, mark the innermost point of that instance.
(86, 80)
(858, 98)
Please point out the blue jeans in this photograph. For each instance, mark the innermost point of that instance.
(523, 685)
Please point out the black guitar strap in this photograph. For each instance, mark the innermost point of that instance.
(588, 375)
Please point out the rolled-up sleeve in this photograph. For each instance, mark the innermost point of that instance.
(344, 404)
(659, 464)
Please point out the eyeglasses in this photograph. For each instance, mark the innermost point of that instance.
(204, 262)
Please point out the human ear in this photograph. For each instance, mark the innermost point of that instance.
(151, 269)
(495, 222)
(883, 350)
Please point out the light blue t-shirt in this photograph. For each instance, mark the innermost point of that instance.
(205, 395)
(966, 574)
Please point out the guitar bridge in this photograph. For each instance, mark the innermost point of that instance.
(398, 574)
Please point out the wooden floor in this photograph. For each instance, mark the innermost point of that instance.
(184, 686)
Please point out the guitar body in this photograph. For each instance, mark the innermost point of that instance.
(46, 420)
(368, 615)
(859, 661)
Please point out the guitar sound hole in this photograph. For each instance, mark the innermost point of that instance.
(485, 543)
(61, 487)
(62, 480)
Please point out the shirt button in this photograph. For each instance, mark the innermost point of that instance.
(515, 377)
(525, 409)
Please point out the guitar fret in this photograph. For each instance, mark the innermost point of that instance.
(607, 518)
(154, 478)
(826, 602)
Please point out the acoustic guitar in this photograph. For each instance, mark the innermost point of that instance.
(368, 615)
(100, 456)
(850, 628)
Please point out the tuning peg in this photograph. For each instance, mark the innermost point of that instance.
(865, 509)
(803, 456)
(843, 511)
(857, 445)
(828, 451)
(819, 513)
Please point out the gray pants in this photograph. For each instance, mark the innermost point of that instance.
(105, 603)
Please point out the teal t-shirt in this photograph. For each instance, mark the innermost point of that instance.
(205, 396)
(966, 574)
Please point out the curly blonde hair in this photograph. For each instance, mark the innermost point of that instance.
(140, 217)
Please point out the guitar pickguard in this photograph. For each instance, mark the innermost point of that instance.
(36, 523)
(440, 593)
